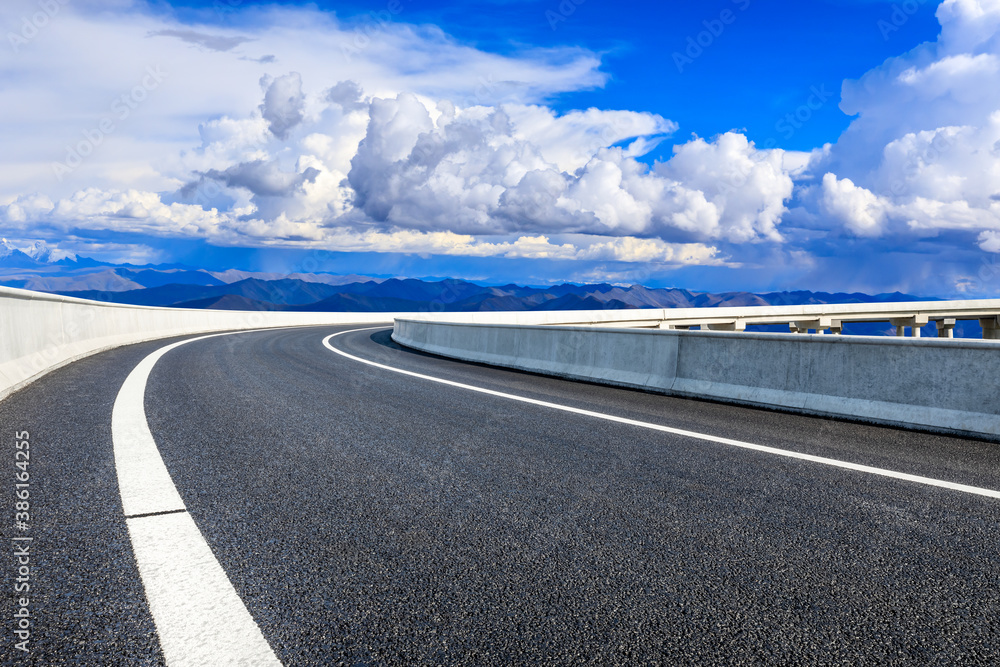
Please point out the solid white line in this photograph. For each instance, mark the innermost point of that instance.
(676, 431)
(143, 480)
(199, 617)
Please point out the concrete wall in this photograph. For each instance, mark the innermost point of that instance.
(935, 384)
(40, 332)
(931, 383)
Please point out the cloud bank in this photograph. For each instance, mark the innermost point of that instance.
(390, 137)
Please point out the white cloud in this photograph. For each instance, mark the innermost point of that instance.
(283, 103)
(923, 156)
(384, 128)
(290, 126)
(631, 249)
(569, 141)
(990, 241)
(125, 211)
(61, 83)
(856, 208)
(748, 187)
(479, 171)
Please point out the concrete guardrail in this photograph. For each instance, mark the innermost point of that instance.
(932, 384)
(40, 332)
(908, 315)
(937, 384)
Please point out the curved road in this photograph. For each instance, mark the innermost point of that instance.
(365, 516)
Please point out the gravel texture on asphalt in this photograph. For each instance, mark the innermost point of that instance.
(366, 517)
(86, 598)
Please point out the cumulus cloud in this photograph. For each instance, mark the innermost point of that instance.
(414, 144)
(922, 158)
(856, 208)
(493, 169)
(631, 249)
(746, 186)
(410, 163)
(94, 211)
(263, 179)
(283, 103)
(990, 241)
(58, 81)
(347, 95)
(483, 158)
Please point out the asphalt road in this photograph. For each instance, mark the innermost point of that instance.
(367, 517)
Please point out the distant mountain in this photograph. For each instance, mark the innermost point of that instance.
(36, 254)
(154, 278)
(358, 303)
(199, 289)
(228, 302)
(235, 275)
(803, 298)
(582, 302)
(37, 267)
(15, 258)
(107, 280)
(283, 292)
(41, 268)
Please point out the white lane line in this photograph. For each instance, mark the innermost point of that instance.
(990, 493)
(143, 481)
(199, 617)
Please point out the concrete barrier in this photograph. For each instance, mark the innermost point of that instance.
(933, 384)
(936, 384)
(40, 332)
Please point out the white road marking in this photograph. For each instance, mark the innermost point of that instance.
(990, 493)
(143, 480)
(199, 617)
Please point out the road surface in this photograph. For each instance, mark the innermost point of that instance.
(365, 516)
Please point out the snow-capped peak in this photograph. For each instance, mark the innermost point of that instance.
(6, 248)
(38, 251)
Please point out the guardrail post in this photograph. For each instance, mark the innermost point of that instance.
(946, 327)
(991, 328)
(819, 325)
(913, 321)
(736, 325)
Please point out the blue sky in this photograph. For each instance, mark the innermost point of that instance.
(760, 68)
(718, 145)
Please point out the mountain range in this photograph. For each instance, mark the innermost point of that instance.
(295, 294)
(187, 287)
